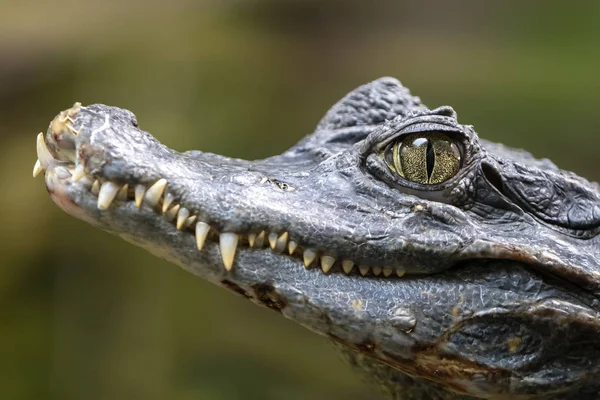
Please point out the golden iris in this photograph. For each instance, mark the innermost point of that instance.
(426, 158)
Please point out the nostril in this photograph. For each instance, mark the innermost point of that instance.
(63, 146)
(63, 133)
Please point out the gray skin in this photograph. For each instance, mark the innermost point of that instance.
(501, 293)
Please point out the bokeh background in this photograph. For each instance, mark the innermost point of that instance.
(83, 315)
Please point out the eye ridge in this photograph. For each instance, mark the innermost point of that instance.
(426, 158)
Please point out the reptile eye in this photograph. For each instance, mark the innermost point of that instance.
(425, 158)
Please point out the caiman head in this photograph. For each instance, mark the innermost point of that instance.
(455, 266)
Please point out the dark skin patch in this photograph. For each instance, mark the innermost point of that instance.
(441, 370)
(268, 296)
(366, 347)
(282, 185)
(235, 288)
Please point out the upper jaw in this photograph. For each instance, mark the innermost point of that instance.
(99, 164)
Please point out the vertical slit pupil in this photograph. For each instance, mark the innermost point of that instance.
(430, 159)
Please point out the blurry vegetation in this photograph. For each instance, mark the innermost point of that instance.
(85, 315)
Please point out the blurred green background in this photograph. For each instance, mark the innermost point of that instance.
(84, 315)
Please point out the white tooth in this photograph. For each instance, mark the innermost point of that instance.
(260, 239)
(326, 263)
(122, 195)
(272, 240)
(79, 172)
(228, 244)
(37, 168)
(96, 187)
(281, 242)
(309, 257)
(292, 246)
(400, 272)
(182, 216)
(364, 269)
(190, 221)
(167, 202)
(251, 239)
(155, 192)
(140, 191)
(347, 266)
(43, 153)
(201, 233)
(172, 213)
(377, 271)
(387, 271)
(108, 192)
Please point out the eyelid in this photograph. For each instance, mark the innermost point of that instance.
(422, 127)
(457, 136)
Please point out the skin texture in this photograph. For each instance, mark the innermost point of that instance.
(498, 296)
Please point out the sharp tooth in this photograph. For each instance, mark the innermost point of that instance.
(309, 257)
(292, 247)
(182, 216)
(251, 239)
(96, 187)
(172, 213)
(108, 192)
(122, 195)
(363, 269)
(37, 168)
(167, 202)
(43, 153)
(228, 244)
(140, 191)
(387, 271)
(281, 242)
(377, 271)
(347, 266)
(260, 239)
(155, 192)
(201, 233)
(190, 221)
(326, 263)
(79, 172)
(272, 240)
(400, 272)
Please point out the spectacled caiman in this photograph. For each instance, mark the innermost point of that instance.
(445, 266)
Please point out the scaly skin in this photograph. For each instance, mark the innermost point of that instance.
(484, 285)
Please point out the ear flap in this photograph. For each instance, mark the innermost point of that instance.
(560, 199)
(370, 104)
